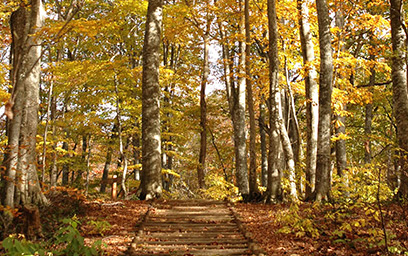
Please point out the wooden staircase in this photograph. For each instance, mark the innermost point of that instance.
(192, 227)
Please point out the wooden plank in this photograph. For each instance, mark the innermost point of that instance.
(191, 241)
(199, 252)
(190, 227)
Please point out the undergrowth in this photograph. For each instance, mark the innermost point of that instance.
(67, 241)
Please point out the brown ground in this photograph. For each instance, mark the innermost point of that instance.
(363, 233)
(121, 215)
(358, 230)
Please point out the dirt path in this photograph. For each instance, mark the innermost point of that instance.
(191, 227)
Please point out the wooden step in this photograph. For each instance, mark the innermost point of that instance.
(190, 227)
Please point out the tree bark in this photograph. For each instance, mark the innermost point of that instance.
(136, 153)
(253, 184)
(264, 153)
(123, 157)
(400, 92)
(88, 164)
(312, 96)
(241, 168)
(105, 173)
(53, 167)
(368, 122)
(21, 184)
(323, 180)
(340, 127)
(341, 154)
(65, 166)
(291, 144)
(203, 110)
(236, 101)
(151, 180)
(45, 137)
(274, 174)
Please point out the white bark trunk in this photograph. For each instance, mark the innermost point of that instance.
(400, 91)
(325, 91)
(22, 181)
(312, 96)
(274, 173)
(151, 182)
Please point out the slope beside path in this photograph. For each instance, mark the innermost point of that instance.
(191, 227)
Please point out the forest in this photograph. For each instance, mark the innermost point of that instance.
(295, 112)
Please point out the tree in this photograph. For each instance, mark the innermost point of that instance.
(253, 184)
(399, 88)
(274, 174)
(151, 181)
(312, 96)
(21, 180)
(236, 99)
(340, 127)
(203, 105)
(238, 115)
(323, 180)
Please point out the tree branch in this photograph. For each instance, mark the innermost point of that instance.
(375, 84)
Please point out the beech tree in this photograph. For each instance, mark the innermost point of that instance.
(151, 178)
(235, 88)
(21, 184)
(312, 96)
(253, 184)
(323, 180)
(274, 174)
(399, 88)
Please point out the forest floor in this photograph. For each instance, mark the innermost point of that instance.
(280, 229)
(303, 229)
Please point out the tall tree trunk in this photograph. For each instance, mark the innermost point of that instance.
(312, 96)
(293, 124)
(241, 168)
(151, 182)
(274, 174)
(105, 173)
(168, 56)
(203, 110)
(264, 153)
(65, 166)
(21, 184)
(290, 160)
(123, 157)
(108, 160)
(323, 179)
(341, 156)
(78, 179)
(236, 101)
(368, 121)
(45, 137)
(400, 92)
(53, 167)
(88, 164)
(229, 84)
(340, 127)
(136, 154)
(291, 144)
(253, 184)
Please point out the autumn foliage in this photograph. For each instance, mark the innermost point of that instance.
(90, 122)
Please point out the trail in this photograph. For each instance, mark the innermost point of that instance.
(192, 227)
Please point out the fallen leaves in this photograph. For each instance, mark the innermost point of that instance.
(261, 221)
(122, 216)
